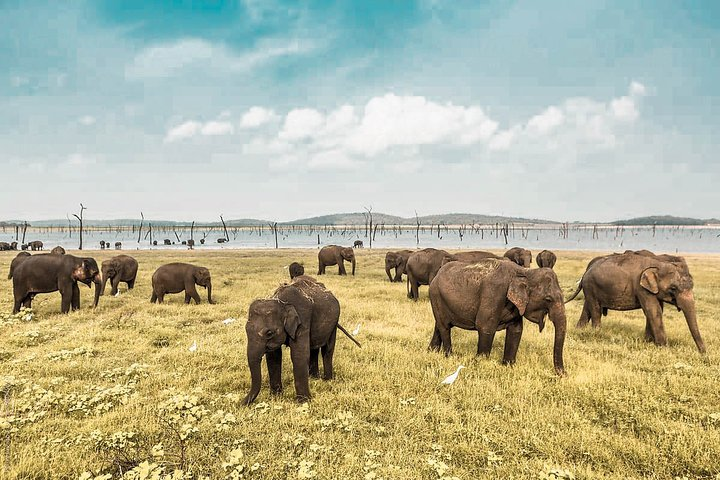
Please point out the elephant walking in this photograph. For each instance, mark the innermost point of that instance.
(396, 260)
(421, 268)
(493, 295)
(335, 255)
(178, 277)
(122, 268)
(646, 281)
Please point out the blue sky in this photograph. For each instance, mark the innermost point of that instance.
(590, 110)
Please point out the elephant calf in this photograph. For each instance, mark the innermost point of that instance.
(335, 255)
(546, 258)
(122, 268)
(296, 270)
(176, 277)
(396, 260)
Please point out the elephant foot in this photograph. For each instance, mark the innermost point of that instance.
(315, 374)
(276, 391)
(302, 399)
(327, 377)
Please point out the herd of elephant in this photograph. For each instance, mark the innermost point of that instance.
(472, 290)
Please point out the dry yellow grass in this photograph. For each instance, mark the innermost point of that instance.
(102, 391)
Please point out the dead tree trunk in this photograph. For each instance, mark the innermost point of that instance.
(142, 219)
(227, 237)
(80, 219)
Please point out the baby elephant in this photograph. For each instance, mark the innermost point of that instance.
(296, 270)
(546, 258)
(176, 277)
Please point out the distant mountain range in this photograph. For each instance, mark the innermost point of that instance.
(358, 218)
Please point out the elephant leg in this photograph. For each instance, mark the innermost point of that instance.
(154, 297)
(341, 267)
(398, 275)
(328, 351)
(115, 283)
(314, 362)
(442, 317)
(513, 334)
(191, 292)
(435, 341)
(66, 294)
(649, 335)
(161, 297)
(274, 366)
(299, 354)
(19, 301)
(131, 284)
(27, 303)
(75, 304)
(584, 316)
(445, 339)
(321, 268)
(595, 313)
(653, 316)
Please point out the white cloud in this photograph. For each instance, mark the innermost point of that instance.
(79, 160)
(257, 117)
(333, 160)
(183, 131)
(87, 120)
(550, 119)
(301, 123)
(217, 128)
(502, 140)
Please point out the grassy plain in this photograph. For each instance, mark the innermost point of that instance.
(104, 390)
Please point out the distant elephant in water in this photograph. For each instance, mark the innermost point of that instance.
(154, 243)
(4, 246)
(167, 242)
(296, 270)
(191, 243)
(358, 244)
(222, 240)
(24, 246)
(36, 245)
(50, 273)
(13, 245)
(396, 260)
(176, 277)
(57, 251)
(118, 245)
(121, 268)
(202, 241)
(546, 258)
(17, 261)
(335, 255)
(102, 244)
(520, 256)
(421, 268)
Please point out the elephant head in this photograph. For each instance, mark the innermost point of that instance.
(520, 256)
(201, 275)
(396, 261)
(537, 294)
(87, 272)
(672, 283)
(348, 254)
(296, 270)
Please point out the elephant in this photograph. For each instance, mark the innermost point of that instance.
(202, 241)
(358, 244)
(421, 267)
(335, 255)
(546, 258)
(50, 273)
(36, 245)
(176, 277)
(57, 251)
(24, 246)
(167, 242)
(121, 268)
(520, 256)
(470, 257)
(191, 244)
(4, 246)
(118, 245)
(296, 270)
(13, 245)
(631, 281)
(492, 295)
(102, 244)
(154, 243)
(396, 260)
(222, 240)
(19, 258)
(304, 316)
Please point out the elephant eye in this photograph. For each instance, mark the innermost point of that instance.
(548, 299)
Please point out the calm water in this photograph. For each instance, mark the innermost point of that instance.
(663, 239)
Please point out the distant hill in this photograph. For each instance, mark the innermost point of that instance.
(666, 220)
(357, 218)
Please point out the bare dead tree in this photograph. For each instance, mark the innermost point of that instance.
(369, 220)
(273, 227)
(417, 231)
(227, 237)
(69, 225)
(142, 219)
(80, 219)
(192, 227)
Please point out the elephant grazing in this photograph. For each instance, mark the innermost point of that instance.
(520, 256)
(493, 295)
(302, 315)
(335, 255)
(178, 277)
(50, 273)
(421, 268)
(546, 258)
(630, 281)
(396, 260)
(122, 268)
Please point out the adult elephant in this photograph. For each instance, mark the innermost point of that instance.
(520, 256)
(35, 245)
(50, 273)
(335, 255)
(304, 316)
(4, 246)
(358, 244)
(122, 268)
(396, 260)
(167, 242)
(118, 245)
(632, 281)
(546, 259)
(19, 258)
(470, 257)
(493, 295)
(421, 268)
(178, 277)
(57, 251)
(13, 245)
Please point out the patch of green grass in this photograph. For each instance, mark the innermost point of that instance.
(116, 389)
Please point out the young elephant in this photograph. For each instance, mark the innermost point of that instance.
(176, 277)
(302, 315)
(335, 255)
(58, 250)
(493, 295)
(396, 260)
(520, 256)
(121, 268)
(50, 273)
(17, 261)
(546, 258)
(296, 270)
(421, 268)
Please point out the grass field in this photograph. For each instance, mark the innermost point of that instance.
(103, 391)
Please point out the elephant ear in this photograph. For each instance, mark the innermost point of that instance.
(649, 280)
(291, 320)
(518, 293)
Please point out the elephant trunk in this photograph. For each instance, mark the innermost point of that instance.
(387, 270)
(254, 356)
(104, 282)
(686, 303)
(209, 289)
(557, 316)
(353, 265)
(99, 287)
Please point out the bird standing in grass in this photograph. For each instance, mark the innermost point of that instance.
(357, 330)
(450, 379)
(193, 347)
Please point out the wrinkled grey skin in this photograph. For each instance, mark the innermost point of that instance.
(122, 268)
(58, 250)
(335, 255)
(470, 257)
(642, 280)
(51, 273)
(520, 256)
(396, 260)
(178, 277)
(546, 259)
(304, 316)
(492, 295)
(421, 268)
(16, 261)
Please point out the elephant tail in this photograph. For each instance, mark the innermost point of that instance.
(342, 329)
(577, 291)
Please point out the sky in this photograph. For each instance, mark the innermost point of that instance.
(185, 110)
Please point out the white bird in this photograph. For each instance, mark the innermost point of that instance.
(228, 321)
(118, 293)
(193, 347)
(450, 379)
(357, 330)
